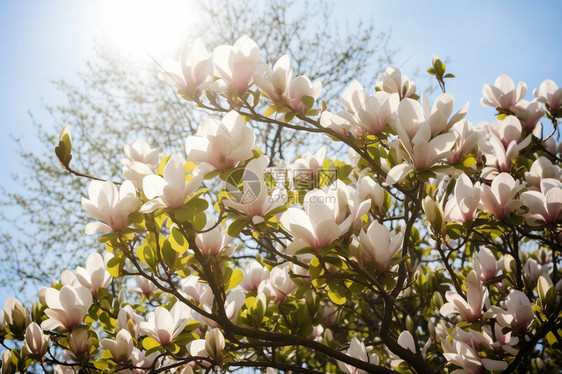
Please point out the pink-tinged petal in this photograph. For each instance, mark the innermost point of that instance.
(494, 365)
(93, 210)
(96, 228)
(399, 173)
(153, 186)
(406, 340)
(411, 116)
(152, 205)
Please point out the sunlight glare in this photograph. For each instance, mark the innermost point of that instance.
(147, 29)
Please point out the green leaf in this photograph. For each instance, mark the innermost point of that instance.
(149, 343)
(177, 241)
(235, 279)
(147, 255)
(115, 265)
(270, 111)
(236, 227)
(289, 116)
(308, 101)
(169, 254)
(337, 294)
(449, 75)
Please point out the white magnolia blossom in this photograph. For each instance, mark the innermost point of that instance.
(193, 73)
(463, 352)
(471, 308)
(370, 113)
(36, 342)
(486, 265)
(129, 320)
(215, 241)
(377, 244)
(171, 190)
(544, 205)
(549, 93)
(95, 275)
(463, 205)
(393, 81)
(110, 206)
(121, 348)
(499, 199)
(67, 307)
(275, 82)
(529, 113)
(220, 145)
(503, 94)
(300, 87)
(279, 285)
(466, 142)
(542, 168)
(15, 314)
(322, 221)
(235, 65)
(144, 286)
(424, 134)
(140, 151)
(164, 325)
(254, 274)
(358, 350)
(255, 201)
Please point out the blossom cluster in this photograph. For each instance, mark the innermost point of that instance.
(436, 244)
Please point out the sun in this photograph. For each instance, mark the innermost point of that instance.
(143, 29)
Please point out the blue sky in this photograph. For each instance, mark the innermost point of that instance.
(41, 41)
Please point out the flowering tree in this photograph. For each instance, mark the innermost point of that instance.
(113, 107)
(434, 247)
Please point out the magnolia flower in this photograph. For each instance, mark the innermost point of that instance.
(197, 291)
(67, 307)
(544, 205)
(15, 314)
(300, 87)
(471, 308)
(36, 342)
(145, 286)
(358, 350)
(164, 325)
(95, 275)
(306, 167)
(192, 74)
(110, 206)
(371, 113)
(466, 356)
(79, 344)
(275, 82)
(171, 190)
(466, 198)
(424, 133)
(141, 152)
(318, 225)
(370, 190)
(254, 201)
(214, 242)
(542, 168)
(135, 172)
(533, 270)
(499, 199)
(378, 244)
(121, 348)
(503, 94)
(342, 123)
(235, 65)
(129, 320)
(234, 301)
(517, 312)
(254, 274)
(467, 140)
(221, 145)
(214, 342)
(392, 81)
(486, 265)
(549, 93)
(406, 340)
(529, 113)
(279, 285)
